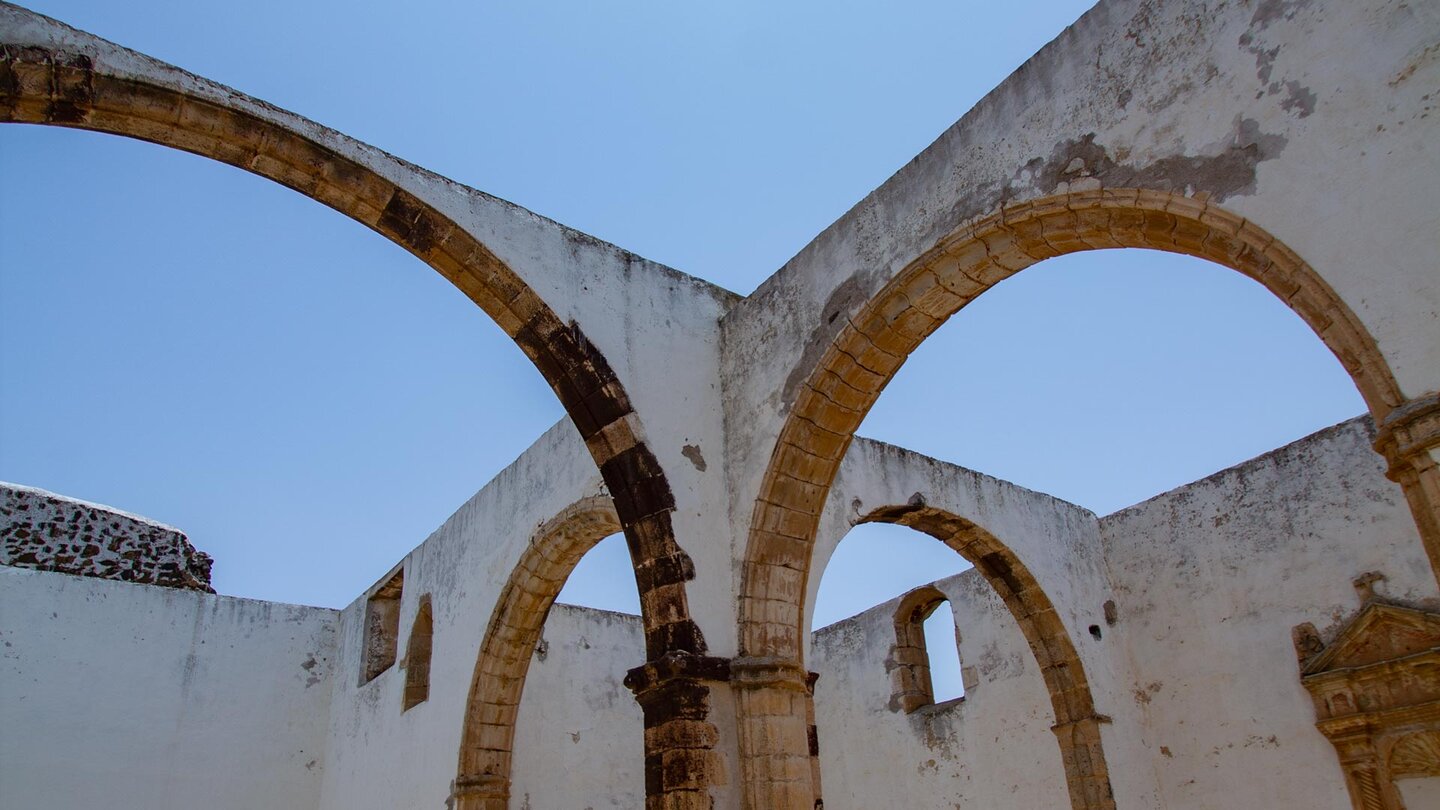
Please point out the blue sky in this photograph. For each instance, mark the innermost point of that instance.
(308, 402)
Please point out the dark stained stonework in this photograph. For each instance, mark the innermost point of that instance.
(50, 532)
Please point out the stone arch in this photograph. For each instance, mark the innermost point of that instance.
(871, 345)
(487, 739)
(53, 75)
(1077, 724)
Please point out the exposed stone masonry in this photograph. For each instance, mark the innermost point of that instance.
(39, 529)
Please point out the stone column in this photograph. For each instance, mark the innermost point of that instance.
(810, 680)
(681, 763)
(1363, 773)
(773, 704)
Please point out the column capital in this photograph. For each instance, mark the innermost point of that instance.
(676, 666)
(760, 673)
(1407, 433)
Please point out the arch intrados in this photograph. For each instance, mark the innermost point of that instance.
(516, 624)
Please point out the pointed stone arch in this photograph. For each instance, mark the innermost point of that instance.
(870, 346)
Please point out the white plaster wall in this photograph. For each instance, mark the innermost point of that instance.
(381, 757)
(1210, 579)
(1057, 541)
(137, 697)
(991, 749)
(580, 736)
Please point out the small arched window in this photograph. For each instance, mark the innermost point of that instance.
(417, 657)
(923, 621)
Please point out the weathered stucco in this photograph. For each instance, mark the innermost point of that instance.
(992, 748)
(129, 696)
(1259, 549)
(1289, 140)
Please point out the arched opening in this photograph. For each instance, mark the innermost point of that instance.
(418, 651)
(942, 650)
(57, 76)
(877, 563)
(603, 579)
(1110, 376)
(870, 347)
(514, 642)
(876, 698)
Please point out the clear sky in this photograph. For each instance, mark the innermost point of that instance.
(188, 342)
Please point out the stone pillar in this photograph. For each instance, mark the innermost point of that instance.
(1409, 439)
(1087, 775)
(681, 763)
(773, 703)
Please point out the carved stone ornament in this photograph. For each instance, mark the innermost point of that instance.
(1376, 688)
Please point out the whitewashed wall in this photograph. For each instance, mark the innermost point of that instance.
(580, 736)
(992, 749)
(138, 697)
(1210, 579)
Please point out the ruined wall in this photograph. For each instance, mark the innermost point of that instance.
(992, 748)
(580, 737)
(1209, 580)
(384, 756)
(1198, 674)
(50, 532)
(142, 698)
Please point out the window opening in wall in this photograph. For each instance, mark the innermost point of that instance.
(417, 657)
(926, 651)
(382, 627)
(942, 642)
(604, 579)
(877, 562)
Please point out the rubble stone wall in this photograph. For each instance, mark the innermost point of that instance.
(50, 532)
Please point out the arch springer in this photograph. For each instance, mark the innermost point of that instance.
(1407, 434)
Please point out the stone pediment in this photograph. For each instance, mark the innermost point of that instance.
(1379, 632)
